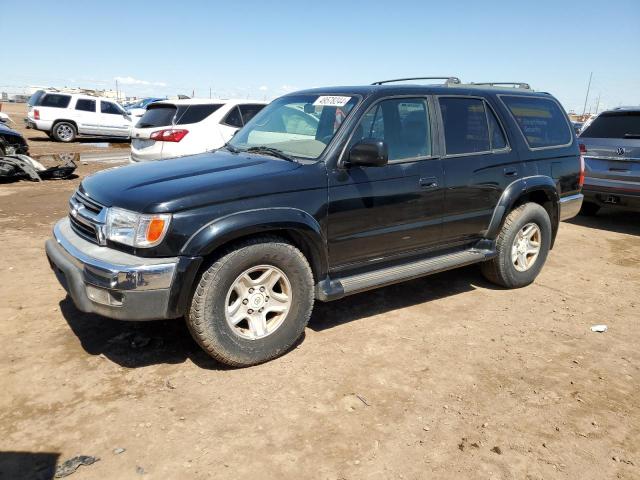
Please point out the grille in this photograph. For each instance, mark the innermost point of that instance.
(87, 218)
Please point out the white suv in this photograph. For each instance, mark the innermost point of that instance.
(65, 116)
(175, 128)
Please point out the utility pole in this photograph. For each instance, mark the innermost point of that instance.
(117, 94)
(209, 92)
(584, 109)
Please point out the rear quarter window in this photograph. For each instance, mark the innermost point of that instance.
(54, 100)
(541, 120)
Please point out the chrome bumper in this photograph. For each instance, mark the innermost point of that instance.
(109, 282)
(570, 206)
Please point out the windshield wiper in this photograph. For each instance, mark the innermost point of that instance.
(271, 151)
(632, 135)
(231, 148)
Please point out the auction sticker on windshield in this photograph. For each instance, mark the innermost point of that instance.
(331, 101)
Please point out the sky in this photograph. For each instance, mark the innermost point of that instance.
(261, 49)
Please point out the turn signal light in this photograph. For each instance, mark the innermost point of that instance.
(169, 135)
(155, 229)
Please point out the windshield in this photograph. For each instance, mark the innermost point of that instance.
(297, 125)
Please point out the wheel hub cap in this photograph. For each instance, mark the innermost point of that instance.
(258, 302)
(526, 247)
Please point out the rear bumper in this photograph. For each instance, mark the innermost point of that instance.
(570, 206)
(612, 192)
(112, 283)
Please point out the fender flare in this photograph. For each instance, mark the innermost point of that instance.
(517, 189)
(306, 230)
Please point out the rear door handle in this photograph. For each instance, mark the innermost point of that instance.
(429, 182)
(510, 172)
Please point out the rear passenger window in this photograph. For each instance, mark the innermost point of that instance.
(195, 113)
(54, 100)
(233, 118)
(86, 105)
(465, 125)
(540, 120)
(403, 124)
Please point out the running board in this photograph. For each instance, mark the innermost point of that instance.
(332, 289)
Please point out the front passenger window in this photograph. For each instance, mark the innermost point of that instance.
(403, 124)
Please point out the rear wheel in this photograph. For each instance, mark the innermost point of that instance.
(589, 209)
(522, 247)
(252, 304)
(64, 132)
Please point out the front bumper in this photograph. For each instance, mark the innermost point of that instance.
(109, 282)
(570, 206)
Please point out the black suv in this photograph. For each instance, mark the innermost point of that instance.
(324, 193)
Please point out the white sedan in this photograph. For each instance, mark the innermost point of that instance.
(176, 128)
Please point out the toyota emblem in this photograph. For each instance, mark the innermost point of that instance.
(620, 151)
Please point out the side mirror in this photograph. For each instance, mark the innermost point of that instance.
(369, 153)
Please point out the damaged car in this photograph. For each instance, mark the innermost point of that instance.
(12, 142)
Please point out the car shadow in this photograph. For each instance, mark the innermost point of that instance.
(398, 296)
(611, 219)
(140, 344)
(136, 344)
(28, 465)
(115, 141)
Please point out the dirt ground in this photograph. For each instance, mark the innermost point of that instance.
(446, 377)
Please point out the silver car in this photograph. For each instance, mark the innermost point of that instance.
(610, 146)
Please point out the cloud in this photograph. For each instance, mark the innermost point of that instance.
(263, 88)
(288, 88)
(135, 81)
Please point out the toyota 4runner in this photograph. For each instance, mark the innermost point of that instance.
(362, 187)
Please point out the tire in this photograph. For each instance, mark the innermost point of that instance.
(502, 269)
(589, 209)
(64, 132)
(219, 287)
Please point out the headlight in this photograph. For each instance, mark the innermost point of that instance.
(135, 229)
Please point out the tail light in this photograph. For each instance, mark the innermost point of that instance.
(36, 114)
(169, 135)
(583, 151)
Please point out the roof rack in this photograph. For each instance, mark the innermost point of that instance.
(522, 85)
(448, 80)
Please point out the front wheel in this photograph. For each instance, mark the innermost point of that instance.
(253, 303)
(522, 247)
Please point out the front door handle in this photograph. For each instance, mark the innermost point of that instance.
(510, 172)
(429, 182)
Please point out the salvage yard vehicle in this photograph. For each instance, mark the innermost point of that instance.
(611, 149)
(138, 109)
(12, 141)
(176, 128)
(392, 182)
(65, 116)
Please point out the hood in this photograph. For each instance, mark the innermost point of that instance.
(8, 130)
(187, 182)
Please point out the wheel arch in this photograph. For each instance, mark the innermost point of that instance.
(59, 120)
(294, 225)
(539, 189)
